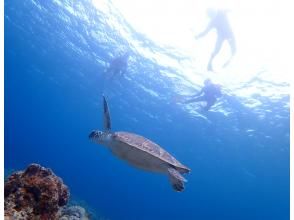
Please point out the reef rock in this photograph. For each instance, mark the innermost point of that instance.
(36, 193)
(73, 213)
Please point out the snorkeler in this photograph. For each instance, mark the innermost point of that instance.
(118, 66)
(219, 21)
(210, 93)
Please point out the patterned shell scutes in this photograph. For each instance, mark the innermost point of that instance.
(146, 145)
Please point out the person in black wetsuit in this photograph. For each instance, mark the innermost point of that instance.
(118, 66)
(219, 21)
(210, 93)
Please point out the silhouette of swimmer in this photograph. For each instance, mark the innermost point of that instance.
(210, 93)
(118, 66)
(219, 21)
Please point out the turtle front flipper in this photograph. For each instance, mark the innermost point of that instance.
(176, 179)
(106, 116)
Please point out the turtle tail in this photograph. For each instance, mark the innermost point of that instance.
(176, 179)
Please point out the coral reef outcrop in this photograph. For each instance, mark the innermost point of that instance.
(36, 193)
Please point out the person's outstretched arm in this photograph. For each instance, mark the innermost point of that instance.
(207, 29)
(199, 93)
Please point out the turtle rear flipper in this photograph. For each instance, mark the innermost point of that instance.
(176, 179)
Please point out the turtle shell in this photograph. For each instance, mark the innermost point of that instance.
(150, 147)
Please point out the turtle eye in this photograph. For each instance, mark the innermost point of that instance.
(99, 133)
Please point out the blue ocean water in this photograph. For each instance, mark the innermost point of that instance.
(55, 55)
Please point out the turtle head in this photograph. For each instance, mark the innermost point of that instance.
(99, 137)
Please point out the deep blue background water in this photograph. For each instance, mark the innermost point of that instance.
(54, 60)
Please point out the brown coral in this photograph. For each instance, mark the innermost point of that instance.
(36, 193)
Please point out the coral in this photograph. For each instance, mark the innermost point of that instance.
(73, 213)
(91, 212)
(36, 193)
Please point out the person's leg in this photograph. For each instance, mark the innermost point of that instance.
(217, 48)
(209, 103)
(232, 44)
(113, 73)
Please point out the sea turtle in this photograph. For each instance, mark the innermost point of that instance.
(139, 151)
